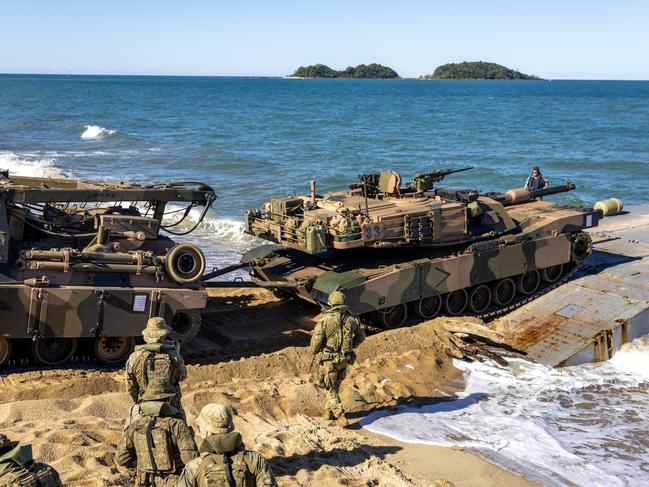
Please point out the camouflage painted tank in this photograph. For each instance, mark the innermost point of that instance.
(84, 265)
(411, 250)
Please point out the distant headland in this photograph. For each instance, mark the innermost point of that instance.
(362, 71)
(477, 70)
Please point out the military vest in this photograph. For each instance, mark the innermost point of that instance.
(154, 447)
(223, 470)
(34, 475)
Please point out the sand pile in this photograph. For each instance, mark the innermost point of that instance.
(75, 418)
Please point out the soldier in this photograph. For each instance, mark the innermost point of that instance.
(224, 461)
(159, 443)
(157, 358)
(18, 468)
(335, 336)
(535, 180)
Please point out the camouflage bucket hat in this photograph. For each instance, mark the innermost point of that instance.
(156, 329)
(6, 443)
(336, 298)
(159, 389)
(216, 418)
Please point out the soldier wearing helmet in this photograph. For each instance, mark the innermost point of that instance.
(223, 458)
(335, 336)
(157, 358)
(18, 468)
(159, 443)
(536, 181)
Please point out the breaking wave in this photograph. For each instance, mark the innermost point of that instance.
(29, 166)
(96, 132)
(581, 426)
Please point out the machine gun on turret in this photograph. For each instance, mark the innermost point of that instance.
(424, 182)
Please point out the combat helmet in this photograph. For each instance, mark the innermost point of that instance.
(6, 444)
(216, 418)
(156, 329)
(336, 298)
(159, 389)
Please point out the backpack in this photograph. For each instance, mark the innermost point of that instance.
(158, 365)
(154, 447)
(35, 475)
(225, 470)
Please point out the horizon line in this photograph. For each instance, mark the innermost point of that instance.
(163, 75)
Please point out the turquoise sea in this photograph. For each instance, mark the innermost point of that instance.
(252, 138)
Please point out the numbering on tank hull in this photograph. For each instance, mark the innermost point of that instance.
(85, 264)
(415, 251)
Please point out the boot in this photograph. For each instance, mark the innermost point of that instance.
(341, 421)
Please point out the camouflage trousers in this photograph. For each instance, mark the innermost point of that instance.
(331, 375)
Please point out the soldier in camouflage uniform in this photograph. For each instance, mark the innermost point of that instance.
(157, 358)
(159, 443)
(224, 461)
(18, 468)
(335, 336)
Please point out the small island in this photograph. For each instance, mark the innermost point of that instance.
(477, 70)
(362, 71)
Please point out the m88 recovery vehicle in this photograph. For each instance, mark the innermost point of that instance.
(84, 264)
(411, 250)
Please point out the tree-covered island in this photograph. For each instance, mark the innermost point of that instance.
(362, 71)
(477, 70)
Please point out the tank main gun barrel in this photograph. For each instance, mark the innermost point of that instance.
(425, 181)
(521, 195)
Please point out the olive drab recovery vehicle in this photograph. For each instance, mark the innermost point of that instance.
(83, 265)
(414, 251)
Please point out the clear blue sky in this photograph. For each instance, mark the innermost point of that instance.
(550, 38)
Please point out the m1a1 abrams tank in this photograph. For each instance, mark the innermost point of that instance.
(401, 251)
(84, 264)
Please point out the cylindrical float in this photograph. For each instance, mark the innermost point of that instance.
(611, 206)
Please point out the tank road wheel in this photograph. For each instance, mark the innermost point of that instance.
(392, 317)
(113, 350)
(553, 273)
(428, 307)
(455, 302)
(5, 351)
(503, 292)
(53, 351)
(528, 283)
(185, 325)
(479, 298)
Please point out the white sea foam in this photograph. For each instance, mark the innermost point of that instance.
(581, 425)
(28, 165)
(96, 132)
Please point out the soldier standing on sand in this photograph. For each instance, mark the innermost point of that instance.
(335, 336)
(18, 468)
(223, 460)
(535, 180)
(157, 358)
(159, 442)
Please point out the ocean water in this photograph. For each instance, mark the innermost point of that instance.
(577, 426)
(251, 139)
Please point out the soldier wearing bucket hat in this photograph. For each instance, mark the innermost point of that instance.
(159, 443)
(17, 467)
(224, 459)
(158, 358)
(335, 336)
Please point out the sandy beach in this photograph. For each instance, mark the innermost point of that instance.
(74, 418)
